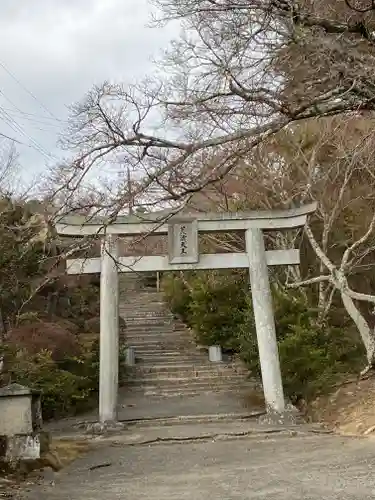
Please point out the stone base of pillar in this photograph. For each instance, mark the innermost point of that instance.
(99, 428)
(289, 416)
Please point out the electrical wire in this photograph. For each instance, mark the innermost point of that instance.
(41, 104)
(17, 128)
(13, 139)
(52, 125)
(24, 115)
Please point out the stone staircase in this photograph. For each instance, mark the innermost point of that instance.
(168, 363)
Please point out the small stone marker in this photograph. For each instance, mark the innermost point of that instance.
(20, 423)
(130, 356)
(215, 354)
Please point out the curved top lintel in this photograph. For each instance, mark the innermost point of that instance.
(208, 222)
(251, 215)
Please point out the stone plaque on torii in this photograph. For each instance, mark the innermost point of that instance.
(183, 254)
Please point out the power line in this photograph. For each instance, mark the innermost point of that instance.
(29, 116)
(13, 139)
(27, 90)
(35, 118)
(17, 141)
(34, 115)
(49, 127)
(17, 128)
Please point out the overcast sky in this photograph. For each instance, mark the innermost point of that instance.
(57, 49)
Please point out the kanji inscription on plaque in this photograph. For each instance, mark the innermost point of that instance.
(183, 242)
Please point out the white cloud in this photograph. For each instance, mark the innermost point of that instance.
(58, 49)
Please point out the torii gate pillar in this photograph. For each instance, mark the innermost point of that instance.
(264, 321)
(109, 330)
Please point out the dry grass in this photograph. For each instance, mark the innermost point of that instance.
(254, 399)
(349, 410)
(69, 450)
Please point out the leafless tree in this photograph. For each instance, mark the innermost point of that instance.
(241, 72)
(329, 161)
(9, 168)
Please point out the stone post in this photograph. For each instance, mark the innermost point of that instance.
(264, 322)
(109, 330)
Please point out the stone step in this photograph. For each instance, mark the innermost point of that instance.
(127, 303)
(158, 340)
(159, 320)
(147, 319)
(140, 300)
(181, 343)
(152, 305)
(186, 338)
(166, 358)
(192, 356)
(145, 355)
(184, 372)
(152, 335)
(159, 353)
(142, 295)
(171, 361)
(159, 329)
(156, 326)
(142, 303)
(186, 380)
(173, 393)
(150, 323)
(166, 352)
(200, 366)
(155, 334)
(198, 385)
(160, 350)
(136, 339)
(165, 337)
(179, 381)
(134, 311)
(186, 362)
(189, 390)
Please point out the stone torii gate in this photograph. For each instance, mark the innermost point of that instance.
(184, 255)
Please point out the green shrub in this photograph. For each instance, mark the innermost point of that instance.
(88, 365)
(69, 386)
(213, 305)
(177, 295)
(313, 357)
(79, 304)
(63, 392)
(216, 309)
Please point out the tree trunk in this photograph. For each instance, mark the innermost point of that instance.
(3, 326)
(52, 301)
(367, 335)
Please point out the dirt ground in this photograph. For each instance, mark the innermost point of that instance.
(231, 461)
(350, 410)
